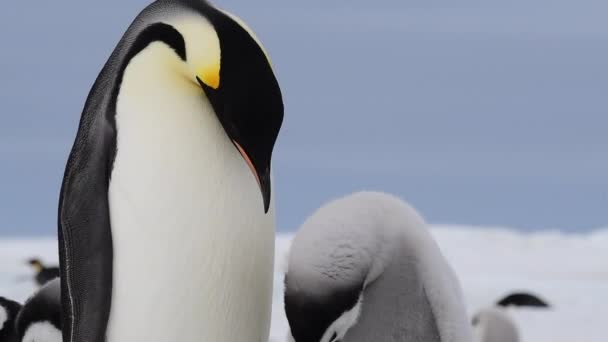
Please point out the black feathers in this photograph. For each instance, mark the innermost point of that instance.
(8, 333)
(159, 32)
(44, 306)
(85, 235)
(85, 240)
(310, 316)
(44, 274)
(522, 299)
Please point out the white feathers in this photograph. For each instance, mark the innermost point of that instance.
(340, 326)
(379, 241)
(3, 316)
(202, 43)
(192, 244)
(494, 325)
(42, 332)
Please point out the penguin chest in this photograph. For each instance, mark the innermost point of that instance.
(193, 248)
(42, 331)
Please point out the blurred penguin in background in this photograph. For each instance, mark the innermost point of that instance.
(522, 299)
(39, 320)
(44, 273)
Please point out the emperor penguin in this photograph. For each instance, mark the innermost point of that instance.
(44, 273)
(166, 214)
(9, 310)
(40, 318)
(365, 268)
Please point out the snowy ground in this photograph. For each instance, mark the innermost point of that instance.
(569, 271)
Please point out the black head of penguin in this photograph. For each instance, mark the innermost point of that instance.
(8, 313)
(522, 299)
(43, 306)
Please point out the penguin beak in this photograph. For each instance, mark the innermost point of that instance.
(239, 125)
(263, 178)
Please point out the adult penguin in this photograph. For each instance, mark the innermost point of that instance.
(166, 219)
(365, 268)
(40, 318)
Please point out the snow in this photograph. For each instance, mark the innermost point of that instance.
(567, 270)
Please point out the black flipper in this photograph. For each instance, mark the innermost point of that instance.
(85, 241)
(85, 237)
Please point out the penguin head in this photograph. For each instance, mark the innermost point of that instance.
(317, 317)
(217, 53)
(36, 264)
(323, 296)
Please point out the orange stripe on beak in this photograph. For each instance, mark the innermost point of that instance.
(248, 161)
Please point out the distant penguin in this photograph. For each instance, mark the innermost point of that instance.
(166, 217)
(522, 299)
(365, 268)
(494, 325)
(43, 273)
(40, 318)
(8, 314)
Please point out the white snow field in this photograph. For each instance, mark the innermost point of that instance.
(569, 271)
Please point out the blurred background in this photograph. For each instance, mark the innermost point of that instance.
(481, 114)
(488, 113)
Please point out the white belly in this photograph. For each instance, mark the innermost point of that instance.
(193, 248)
(42, 332)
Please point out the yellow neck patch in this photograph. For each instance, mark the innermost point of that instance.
(203, 52)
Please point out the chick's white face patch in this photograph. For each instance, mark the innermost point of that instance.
(3, 317)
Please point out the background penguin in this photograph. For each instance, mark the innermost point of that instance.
(494, 325)
(43, 273)
(365, 268)
(8, 313)
(522, 299)
(40, 318)
(168, 185)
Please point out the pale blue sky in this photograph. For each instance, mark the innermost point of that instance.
(477, 113)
